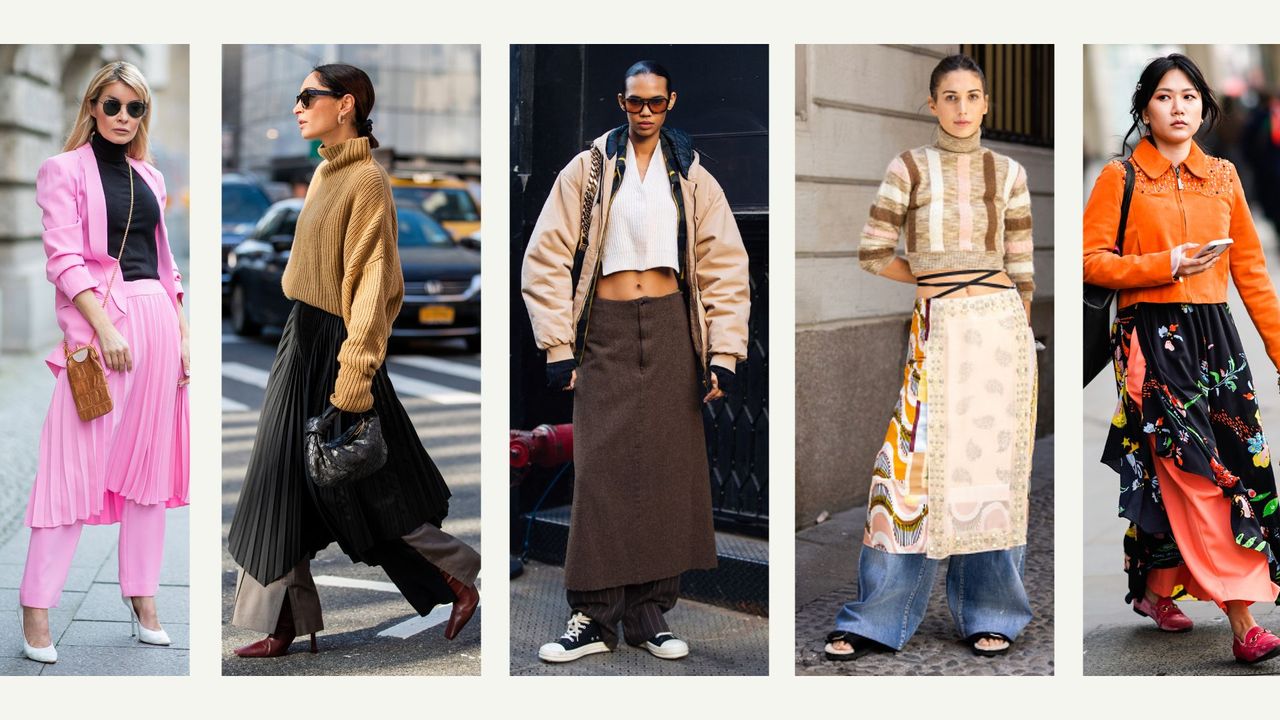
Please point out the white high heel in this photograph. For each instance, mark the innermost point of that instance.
(142, 632)
(47, 654)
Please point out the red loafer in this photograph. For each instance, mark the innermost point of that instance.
(1258, 645)
(1165, 612)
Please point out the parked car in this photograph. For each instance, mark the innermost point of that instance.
(243, 204)
(446, 199)
(441, 279)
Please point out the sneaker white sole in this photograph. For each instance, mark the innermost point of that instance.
(552, 652)
(661, 651)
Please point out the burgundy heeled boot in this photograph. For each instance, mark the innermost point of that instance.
(278, 642)
(463, 608)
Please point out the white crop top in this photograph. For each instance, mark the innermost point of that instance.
(641, 233)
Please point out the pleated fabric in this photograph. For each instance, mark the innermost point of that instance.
(281, 518)
(140, 450)
(642, 491)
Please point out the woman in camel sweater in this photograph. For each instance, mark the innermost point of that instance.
(344, 277)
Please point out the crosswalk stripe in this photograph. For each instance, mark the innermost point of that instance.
(427, 418)
(403, 383)
(415, 625)
(403, 630)
(432, 391)
(229, 405)
(446, 367)
(245, 443)
(247, 374)
(335, 581)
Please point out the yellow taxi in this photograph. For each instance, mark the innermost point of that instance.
(445, 198)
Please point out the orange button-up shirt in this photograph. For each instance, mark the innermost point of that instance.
(1198, 201)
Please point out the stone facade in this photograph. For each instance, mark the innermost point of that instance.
(856, 107)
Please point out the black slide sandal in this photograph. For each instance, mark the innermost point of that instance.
(973, 644)
(859, 645)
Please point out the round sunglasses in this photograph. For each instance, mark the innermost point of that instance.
(111, 107)
(304, 97)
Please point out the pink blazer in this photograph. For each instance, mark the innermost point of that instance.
(69, 192)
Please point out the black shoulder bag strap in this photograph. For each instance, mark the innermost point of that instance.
(1096, 334)
(1124, 205)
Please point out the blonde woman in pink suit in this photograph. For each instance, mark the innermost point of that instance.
(117, 287)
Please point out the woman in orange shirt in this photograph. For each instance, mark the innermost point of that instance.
(1186, 437)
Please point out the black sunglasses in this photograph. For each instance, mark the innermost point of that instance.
(657, 105)
(305, 96)
(135, 108)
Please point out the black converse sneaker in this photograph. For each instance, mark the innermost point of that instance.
(666, 646)
(581, 637)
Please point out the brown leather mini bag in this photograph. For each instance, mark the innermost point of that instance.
(85, 375)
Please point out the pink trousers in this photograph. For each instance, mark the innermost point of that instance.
(51, 549)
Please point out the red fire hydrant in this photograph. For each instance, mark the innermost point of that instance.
(545, 445)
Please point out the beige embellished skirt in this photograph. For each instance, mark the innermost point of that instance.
(953, 472)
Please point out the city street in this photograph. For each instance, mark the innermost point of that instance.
(369, 628)
(1117, 641)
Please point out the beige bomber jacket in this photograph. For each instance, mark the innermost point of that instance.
(715, 258)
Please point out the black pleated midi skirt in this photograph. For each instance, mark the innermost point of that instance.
(281, 517)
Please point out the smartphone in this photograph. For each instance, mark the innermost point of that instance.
(1213, 248)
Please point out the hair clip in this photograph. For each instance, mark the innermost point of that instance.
(1139, 87)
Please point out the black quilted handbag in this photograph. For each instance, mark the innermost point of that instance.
(1098, 300)
(357, 453)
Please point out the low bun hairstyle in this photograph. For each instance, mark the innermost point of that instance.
(351, 80)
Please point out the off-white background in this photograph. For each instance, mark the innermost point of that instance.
(206, 25)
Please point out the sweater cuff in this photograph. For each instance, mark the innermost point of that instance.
(728, 362)
(352, 392)
(556, 353)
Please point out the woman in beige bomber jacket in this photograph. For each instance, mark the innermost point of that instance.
(642, 351)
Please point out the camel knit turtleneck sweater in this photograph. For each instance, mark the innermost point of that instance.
(960, 206)
(344, 261)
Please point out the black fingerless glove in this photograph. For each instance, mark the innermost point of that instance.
(726, 379)
(559, 373)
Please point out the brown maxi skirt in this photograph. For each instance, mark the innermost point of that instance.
(642, 493)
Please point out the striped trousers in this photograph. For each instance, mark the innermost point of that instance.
(638, 607)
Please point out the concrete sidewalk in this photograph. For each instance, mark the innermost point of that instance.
(91, 627)
(721, 641)
(826, 578)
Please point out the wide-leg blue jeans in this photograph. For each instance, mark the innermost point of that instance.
(984, 592)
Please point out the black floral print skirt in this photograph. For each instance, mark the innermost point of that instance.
(1199, 407)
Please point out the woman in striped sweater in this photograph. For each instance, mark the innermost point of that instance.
(951, 478)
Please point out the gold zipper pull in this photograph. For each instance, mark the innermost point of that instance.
(1178, 174)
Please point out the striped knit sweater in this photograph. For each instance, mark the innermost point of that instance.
(344, 261)
(960, 206)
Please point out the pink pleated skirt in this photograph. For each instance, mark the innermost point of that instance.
(140, 450)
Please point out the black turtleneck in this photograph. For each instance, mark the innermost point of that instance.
(139, 259)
